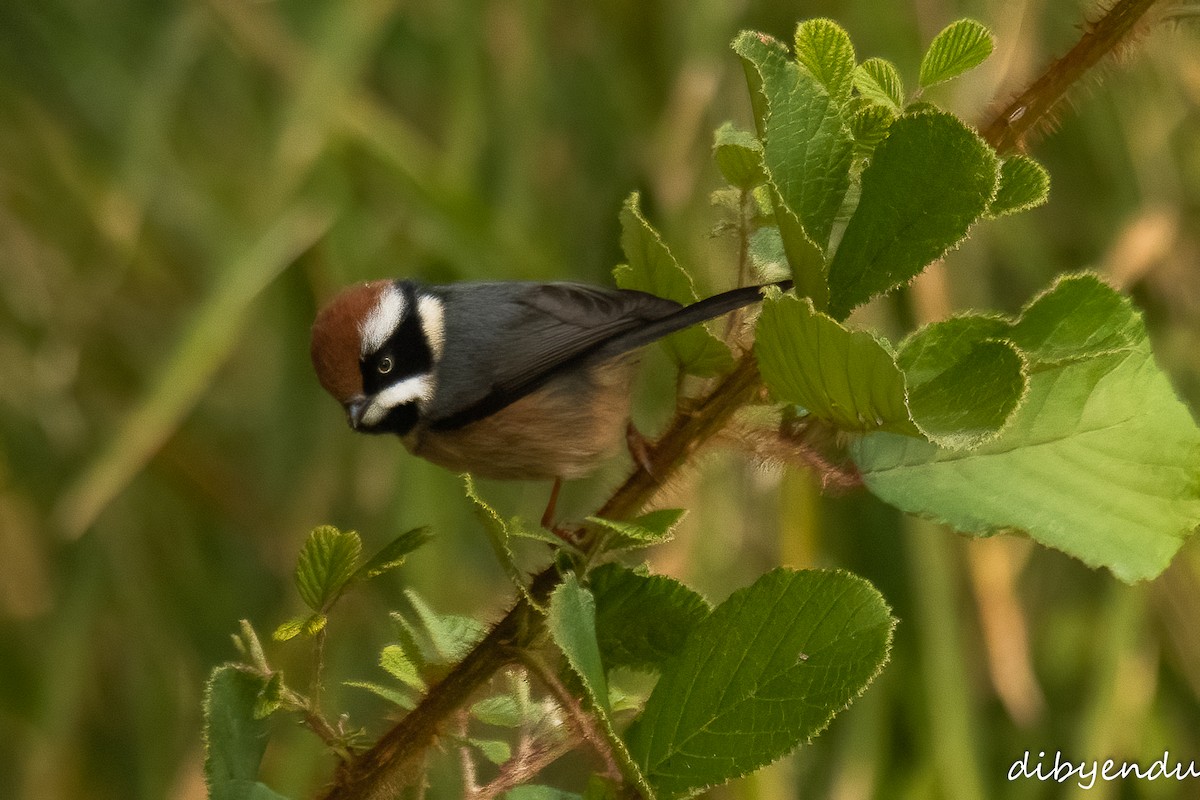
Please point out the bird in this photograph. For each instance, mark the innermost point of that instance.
(508, 380)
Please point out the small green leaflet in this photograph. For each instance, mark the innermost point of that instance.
(396, 662)
(501, 710)
(234, 738)
(497, 531)
(494, 750)
(392, 554)
(739, 156)
(270, 697)
(438, 638)
(764, 672)
(536, 792)
(824, 49)
(307, 624)
(961, 46)
(1024, 184)
(397, 697)
(878, 80)
(651, 268)
(651, 528)
(869, 125)
(327, 562)
(1101, 460)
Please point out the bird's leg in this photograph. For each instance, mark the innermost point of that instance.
(548, 515)
(639, 447)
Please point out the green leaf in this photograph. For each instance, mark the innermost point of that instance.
(326, 564)
(314, 624)
(807, 145)
(767, 255)
(270, 697)
(1100, 461)
(1024, 184)
(648, 529)
(395, 661)
(440, 638)
(393, 554)
(601, 788)
(290, 629)
(1080, 317)
(846, 377)
(234, 739)
(739, 156)
(926, 353)
(397, 697)
(642, 620)
(498, 531)
(961, 46)
(823, 48)
(927, 182)
(494, 750)
(537, 792)
(249, 646)
(764, 672)
(571, 620)
(653, 269)
(869, 126)
(501, 710)
(964, 380)
(306, 624)
(806, 259)
(878, 80)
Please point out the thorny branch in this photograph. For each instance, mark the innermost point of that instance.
(1031, 108)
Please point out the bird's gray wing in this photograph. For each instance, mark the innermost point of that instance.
(520, 335)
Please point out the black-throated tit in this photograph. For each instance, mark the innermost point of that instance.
(507, 380)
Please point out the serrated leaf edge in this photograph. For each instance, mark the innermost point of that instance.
(966, 234)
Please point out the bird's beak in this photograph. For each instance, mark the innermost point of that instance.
(355, 410)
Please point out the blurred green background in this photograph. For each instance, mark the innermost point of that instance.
(182, 182)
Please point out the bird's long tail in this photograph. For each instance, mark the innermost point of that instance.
(706, 309)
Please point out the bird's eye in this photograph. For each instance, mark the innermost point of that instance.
(385, 365)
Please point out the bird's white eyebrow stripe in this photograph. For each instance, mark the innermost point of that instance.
(382, 320)
(432, 315)
(417, 387)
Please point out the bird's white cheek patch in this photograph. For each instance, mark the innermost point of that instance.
(382, 320)
(418, 388)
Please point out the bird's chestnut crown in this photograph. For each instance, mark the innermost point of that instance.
(374, 348)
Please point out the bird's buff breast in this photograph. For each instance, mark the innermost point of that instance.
(545, 435)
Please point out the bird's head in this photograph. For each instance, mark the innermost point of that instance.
(375, 347)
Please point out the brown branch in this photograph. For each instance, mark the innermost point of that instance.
(577, 718)
(395, 759)
(1008, 129)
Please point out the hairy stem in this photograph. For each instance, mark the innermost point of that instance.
(394, 760)
(1008, 129)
